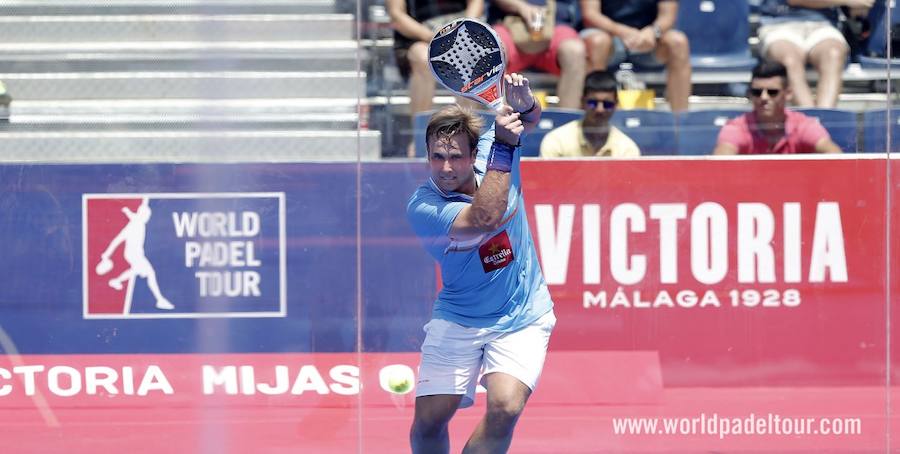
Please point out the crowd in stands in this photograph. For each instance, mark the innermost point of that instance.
(585, 42)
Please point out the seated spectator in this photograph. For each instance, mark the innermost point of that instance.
(556, 50)
(592, 135)
(797, 32)
(641, 32)
(415, 23)
(769, 127)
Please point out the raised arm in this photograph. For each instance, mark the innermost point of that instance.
(488, 207)
(518, 95)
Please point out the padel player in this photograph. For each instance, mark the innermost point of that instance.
(494, 314)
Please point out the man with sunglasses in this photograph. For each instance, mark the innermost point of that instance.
(592, 135)
(770, 128)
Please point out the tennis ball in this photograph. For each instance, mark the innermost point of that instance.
(397, 378)
(399, 385)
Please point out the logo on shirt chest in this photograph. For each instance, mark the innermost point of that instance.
(496, 253)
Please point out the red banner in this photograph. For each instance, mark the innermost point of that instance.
(738, 272)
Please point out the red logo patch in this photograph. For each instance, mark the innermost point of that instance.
(496, 252)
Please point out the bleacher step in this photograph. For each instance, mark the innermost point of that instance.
(175, 27)
(187, 146)
(174, 84)
(81, 7)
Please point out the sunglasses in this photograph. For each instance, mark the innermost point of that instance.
(757, 92)
(593, 103)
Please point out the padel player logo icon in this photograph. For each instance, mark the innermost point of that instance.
(496, 252)
(133, 236)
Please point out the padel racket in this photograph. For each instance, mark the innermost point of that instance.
(468, 59)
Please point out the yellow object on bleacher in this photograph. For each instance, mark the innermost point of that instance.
(636, 99)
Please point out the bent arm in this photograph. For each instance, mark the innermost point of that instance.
(724, 148)
(486, 213)
(826, 145)
(404, 23)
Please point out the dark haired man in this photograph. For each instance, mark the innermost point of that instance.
(592, 135)
(770, 128)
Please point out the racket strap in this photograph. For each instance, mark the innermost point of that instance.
(501, 157)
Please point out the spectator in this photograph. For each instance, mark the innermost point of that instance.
(557, 51)
(769, 127)
(797, 32)
(592, 135)
(415, 23)
(639, 31)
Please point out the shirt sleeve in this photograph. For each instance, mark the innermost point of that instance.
(431, 218)
(811, 133)
(550, 146)
(733, 134)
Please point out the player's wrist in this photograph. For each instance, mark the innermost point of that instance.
(501, 156)
(530, 109)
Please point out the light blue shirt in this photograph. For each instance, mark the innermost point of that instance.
(493, 281)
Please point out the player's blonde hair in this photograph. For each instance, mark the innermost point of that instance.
(451, 120)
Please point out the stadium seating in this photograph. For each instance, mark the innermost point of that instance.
(718, 31)
(875, 52)
(551, 118)
(698, 130)
(875, 130)
(841, 125)
(652, 130)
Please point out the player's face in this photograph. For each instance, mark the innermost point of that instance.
(451, 161)
(769, 96)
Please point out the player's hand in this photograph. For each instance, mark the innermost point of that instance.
(508, 126)
(518, 92)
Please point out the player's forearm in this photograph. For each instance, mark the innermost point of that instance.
(531, 119)
(489, 203)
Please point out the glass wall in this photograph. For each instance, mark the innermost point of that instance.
(210, 244)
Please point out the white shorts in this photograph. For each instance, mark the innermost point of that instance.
(805, 35)
(453, 356)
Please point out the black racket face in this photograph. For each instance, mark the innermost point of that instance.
(466, 56)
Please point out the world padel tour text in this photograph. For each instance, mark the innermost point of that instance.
(221, 249)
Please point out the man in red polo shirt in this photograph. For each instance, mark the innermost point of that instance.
(770, 128)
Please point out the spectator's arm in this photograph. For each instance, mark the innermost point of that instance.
(521, 7)
(474, 8)
(593, 18)
(724, 148)
(667, 15)
(820, 4)
(826, 145)
(405, 24)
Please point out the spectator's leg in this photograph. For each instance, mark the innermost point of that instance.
(829, 57)
(421, 81)
(793, 58)
(674, 50)
(572, 59)
(599, 47)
